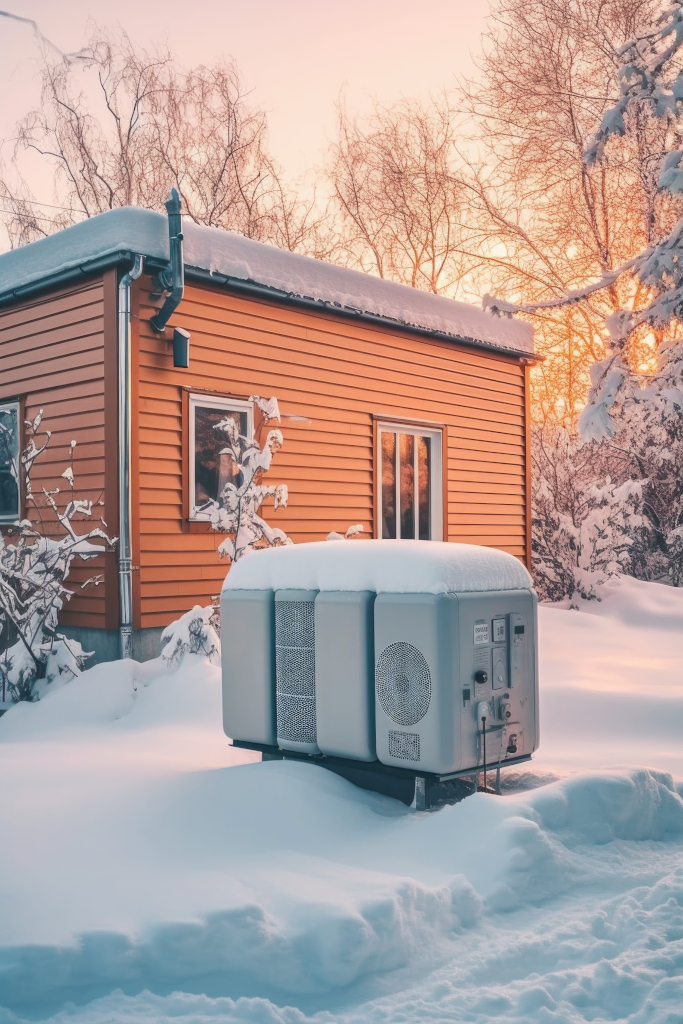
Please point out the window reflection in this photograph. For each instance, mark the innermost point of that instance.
(406, 443)
(423, 477)
(388, 485)
(217, 451)
(9, 461)
(408, 497)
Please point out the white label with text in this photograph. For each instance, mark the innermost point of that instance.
(481, 632)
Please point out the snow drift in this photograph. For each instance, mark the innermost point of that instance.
(142, 860)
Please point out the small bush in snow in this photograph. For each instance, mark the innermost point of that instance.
(33, 569)
(195, 632)
(352, 531)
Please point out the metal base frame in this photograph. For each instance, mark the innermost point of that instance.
(423, 789)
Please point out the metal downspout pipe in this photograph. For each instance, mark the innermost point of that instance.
(125, 508)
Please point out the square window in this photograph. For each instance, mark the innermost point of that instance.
(219, 431)
(10, 509)
(410, 492)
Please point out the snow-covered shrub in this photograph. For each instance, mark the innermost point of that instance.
(35, 559)
(353, 531)
(195, 632)
(235, 512)
(587, 528)
(61, 659)
(631, 433)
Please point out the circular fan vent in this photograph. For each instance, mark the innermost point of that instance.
(404, 686)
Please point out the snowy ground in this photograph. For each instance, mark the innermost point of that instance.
(145, 876)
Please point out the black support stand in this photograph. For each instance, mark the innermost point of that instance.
(426, 790)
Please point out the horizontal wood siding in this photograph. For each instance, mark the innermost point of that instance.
(52, 354)
(336, 373)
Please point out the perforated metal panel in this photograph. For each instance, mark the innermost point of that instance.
(295, 671)
(403, 683)
(295, 624)
(405, 745)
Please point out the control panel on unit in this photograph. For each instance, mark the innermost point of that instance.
(500, 664)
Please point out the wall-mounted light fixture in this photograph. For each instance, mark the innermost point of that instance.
(181, 347)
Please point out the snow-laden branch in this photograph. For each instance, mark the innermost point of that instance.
(500, 307)
(650, 85)
(33, 570)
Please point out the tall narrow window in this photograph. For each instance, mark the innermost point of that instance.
(424, 447)
(406, 448)
(410, 487)
(9, 462)
(388, 503)
(219, 430)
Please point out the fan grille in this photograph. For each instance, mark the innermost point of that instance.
(403, 683)
(295, 671)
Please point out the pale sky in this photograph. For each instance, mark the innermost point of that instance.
(295, 55)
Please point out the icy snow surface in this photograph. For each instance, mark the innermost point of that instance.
(382, 566)
(147, 877)
(222, 252)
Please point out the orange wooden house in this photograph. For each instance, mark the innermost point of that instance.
(402, 411)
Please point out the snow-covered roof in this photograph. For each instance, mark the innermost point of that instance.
(381, 566)
(230, 256)
(233, 258)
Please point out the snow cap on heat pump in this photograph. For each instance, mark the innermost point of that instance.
(381, 566)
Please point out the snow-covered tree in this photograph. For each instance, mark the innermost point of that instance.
(643, 363)
(118, 126)
(651, 82)
(34, 564)
(235, 511)
(547, 74)
(587, 528)
(632, 423)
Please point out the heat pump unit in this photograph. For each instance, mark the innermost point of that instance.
(414, 655)
(455, 673)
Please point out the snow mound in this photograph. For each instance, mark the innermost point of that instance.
(280, 878)
(635, 804)
(381, 566)
(636, 603)
(610, 680)
(147, 875)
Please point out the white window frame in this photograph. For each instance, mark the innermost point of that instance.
(211, 402)
(435, 434)
(11, 517)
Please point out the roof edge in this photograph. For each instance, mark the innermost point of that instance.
(320, 305)
(126, 257)
(89, 268)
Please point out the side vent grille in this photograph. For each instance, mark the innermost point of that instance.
(295, 671)
(404, 744)
(403, 683)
